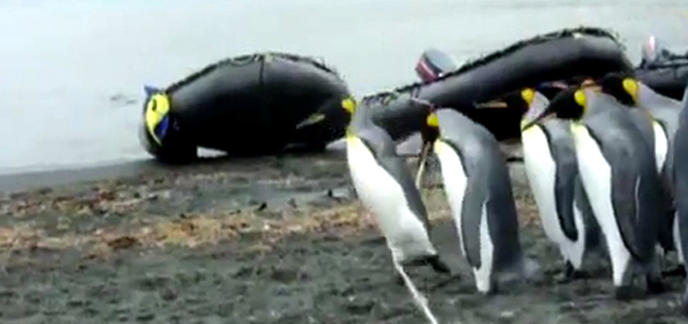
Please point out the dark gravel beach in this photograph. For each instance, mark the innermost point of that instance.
(270, 240)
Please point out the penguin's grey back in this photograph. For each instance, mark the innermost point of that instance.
(488, 181)
(664, 109)
(643, 121)
(680, 175)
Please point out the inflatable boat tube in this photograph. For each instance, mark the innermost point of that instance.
(248, 105)
(663, 70)
(660, 68)
(561, 55)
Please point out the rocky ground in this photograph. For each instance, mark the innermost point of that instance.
(269, 240)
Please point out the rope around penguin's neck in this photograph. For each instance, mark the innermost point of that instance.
(420, 300)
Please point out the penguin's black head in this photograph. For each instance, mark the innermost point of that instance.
(621, 86)
(527, 102)
(568, 104)
(430, 130)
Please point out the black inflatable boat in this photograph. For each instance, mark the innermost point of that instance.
(561, 55)
(248, 105)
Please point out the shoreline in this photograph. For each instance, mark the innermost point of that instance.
(32, 180)
(13, 182)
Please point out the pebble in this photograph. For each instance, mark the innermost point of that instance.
(145, 317)
(507, 314)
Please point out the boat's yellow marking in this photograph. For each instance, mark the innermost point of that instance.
(156, 108)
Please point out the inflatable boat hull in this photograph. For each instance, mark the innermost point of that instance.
(556, 56)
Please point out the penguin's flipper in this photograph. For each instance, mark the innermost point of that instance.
(474, 207)
(626, 199)
(564, 154)
(502, 219)
(593, 232)
(397, 168)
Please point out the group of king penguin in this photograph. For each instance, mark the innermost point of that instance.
(606, 160)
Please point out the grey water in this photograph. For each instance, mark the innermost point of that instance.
(72, 72)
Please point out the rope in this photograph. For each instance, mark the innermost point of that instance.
(420, 300)
(421, 168)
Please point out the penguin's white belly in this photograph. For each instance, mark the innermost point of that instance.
(677, 239)
(455, 182)
(383, 196)
(541, 171)
(661, 145)
(595, 173)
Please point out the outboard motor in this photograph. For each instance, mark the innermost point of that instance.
(662, 69)
(433, 64)
(656, 51)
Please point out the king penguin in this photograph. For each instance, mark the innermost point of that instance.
(550, 163)
(680, 181)
(619, 176)
(385, 186)
(478, 188)
(659, 113)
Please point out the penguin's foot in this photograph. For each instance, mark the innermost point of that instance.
(443, 283)
(570, 274)
(625, 293)
(493, 290)
(438, 265)
(677, 271)
(655, 284)
(579, 274)
(399, 280)
(433, 260)
(562, 279)
(684, 304)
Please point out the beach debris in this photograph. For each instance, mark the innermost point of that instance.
(123, 242)
(262, 206)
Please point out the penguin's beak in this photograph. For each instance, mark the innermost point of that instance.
(424, 153)
(311, 120)
(545, 115)
(492, 104)
(537, 105)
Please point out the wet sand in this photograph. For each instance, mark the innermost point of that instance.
(265, 240)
